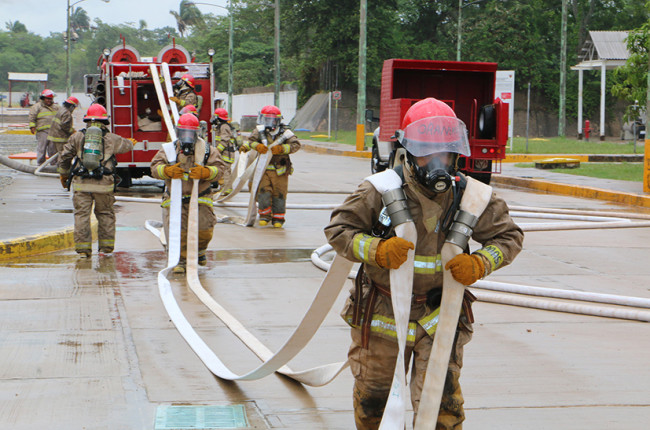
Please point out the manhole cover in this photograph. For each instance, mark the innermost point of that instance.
(200, 417)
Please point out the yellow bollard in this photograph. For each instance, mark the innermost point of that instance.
(361, 137)
(646, 167)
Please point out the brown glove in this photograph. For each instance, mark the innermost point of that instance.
(33, 130)
(64, 180)
(278, 149)
(244, 148)
(133, 141)
(391, 253)
(200, 172)
(466, 268)
(261, 148)
(174, 171)
(175, 100)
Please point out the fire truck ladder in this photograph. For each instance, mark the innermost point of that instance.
(121, 87)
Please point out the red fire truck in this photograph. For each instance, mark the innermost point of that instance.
(468, 87)
(125, 87)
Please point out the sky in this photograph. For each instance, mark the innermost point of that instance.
(45, 16)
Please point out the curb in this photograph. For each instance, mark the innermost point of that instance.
(331, 151)
(574, 190)
(43, 243)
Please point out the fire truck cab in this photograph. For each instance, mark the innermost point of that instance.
(468, 87)
(125, 88)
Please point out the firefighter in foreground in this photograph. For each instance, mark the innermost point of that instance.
(272, 192)
(62, 124)
(40, 121)
(92, 179)
(195, 160)
(224, 139)
(184, 94)
(359, 231)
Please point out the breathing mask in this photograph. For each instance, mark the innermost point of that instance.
(187, 139)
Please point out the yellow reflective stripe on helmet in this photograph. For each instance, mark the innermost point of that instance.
(493, 254)
(426, 265)
(361, 245)
(430, 322)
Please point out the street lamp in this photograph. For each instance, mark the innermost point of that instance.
(458, 41)
(230, 49)
(68, 72)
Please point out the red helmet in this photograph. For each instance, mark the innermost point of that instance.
(430, 126)
(186, 131)
(47, 94)
(73, 101)
(189, 79)
(221, 113)
(188, 122)
(270, 117)
(96, 112)
(189, 109)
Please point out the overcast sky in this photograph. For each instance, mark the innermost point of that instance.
(46, 16)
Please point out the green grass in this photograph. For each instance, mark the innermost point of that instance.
(621, 171)
(343, 136)
(563, 145)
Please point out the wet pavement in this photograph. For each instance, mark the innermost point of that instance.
(88, 344)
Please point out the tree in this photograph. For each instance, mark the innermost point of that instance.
(15, 27)
(188, 15)
(631, 80)
(79, 19)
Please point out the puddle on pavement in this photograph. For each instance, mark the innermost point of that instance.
(260, 256)
(61, 211)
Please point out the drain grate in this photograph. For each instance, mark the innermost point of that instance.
(200, 417)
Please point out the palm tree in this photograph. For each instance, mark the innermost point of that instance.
(15, 27)
(79, 19)
(188, 15)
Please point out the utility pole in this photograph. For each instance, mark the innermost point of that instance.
(562, 119)
(646, 158)
(460, 8)
(276, 96)
(361, 92)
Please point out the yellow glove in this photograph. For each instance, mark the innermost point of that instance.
(278, 149)
(200, 172)
(175, 100)
(64, 181)
(174, 171)
(392, 253)
(261, 148)
(466, 268)
(133, 141)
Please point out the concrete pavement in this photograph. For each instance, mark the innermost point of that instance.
(87, 344)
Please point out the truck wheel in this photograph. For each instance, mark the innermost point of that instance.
(487, 122)
(376, 165)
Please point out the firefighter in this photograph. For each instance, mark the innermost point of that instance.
(433, 188)
(62, 124)
(92, 179)
(272, 192)
(40, 121)
(195, 160)
(184, 92)
(203, 126)
(224, 139)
